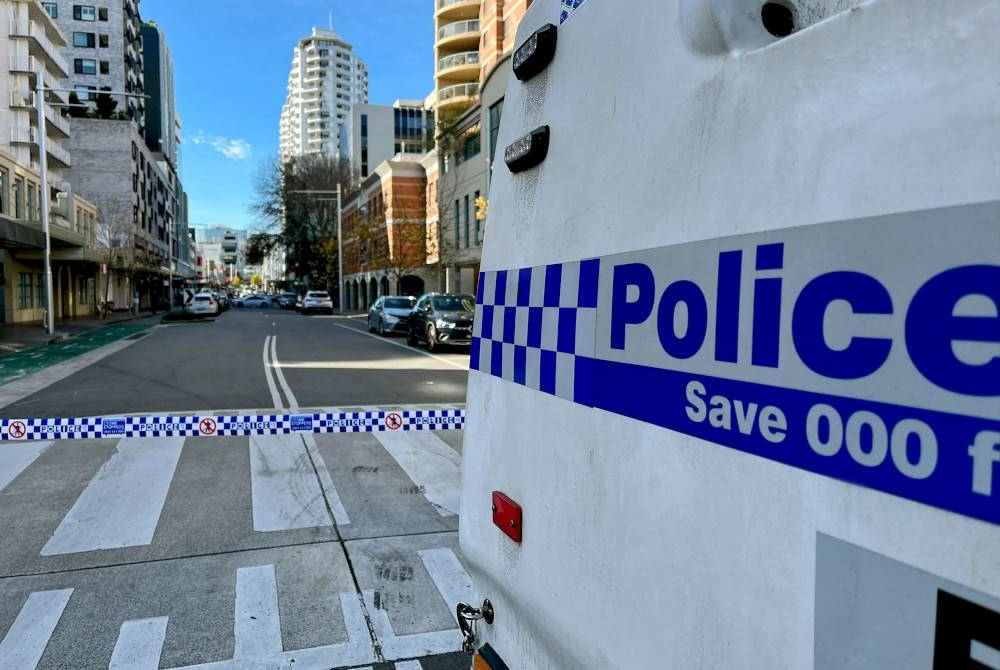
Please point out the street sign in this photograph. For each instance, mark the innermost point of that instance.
(188, 296)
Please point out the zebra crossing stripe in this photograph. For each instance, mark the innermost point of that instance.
(121, 505)
(91, 428)
(449, 577)
(257, 628)
(139, 645)
(285, 492)
(28, 636)
(15, 460)
(432, 465)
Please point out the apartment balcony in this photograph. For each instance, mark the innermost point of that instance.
(461, 67)
(457, 95)
(22, 135)
(57, 155)
(39, 44)
(19, 100)
(55, 121)
(459, 35)
(456, 9)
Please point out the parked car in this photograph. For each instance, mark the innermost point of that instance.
(253, 301)
(223, 300)
(317, 301)
(441, 319)
(287, 300)
(390, 314)
(205, 304)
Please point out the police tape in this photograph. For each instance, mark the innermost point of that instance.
(230, 425)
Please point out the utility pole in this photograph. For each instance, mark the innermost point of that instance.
(43, 165)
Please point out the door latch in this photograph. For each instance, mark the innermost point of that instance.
(467, 617)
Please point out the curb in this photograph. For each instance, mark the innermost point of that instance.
(65, 336)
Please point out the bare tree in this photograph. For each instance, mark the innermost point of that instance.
(291, 207)
(116, 240)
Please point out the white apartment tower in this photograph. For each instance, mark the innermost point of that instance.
(33, 46)
(325, 80)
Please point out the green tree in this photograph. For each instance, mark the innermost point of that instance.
(105, 104)
(294, 203)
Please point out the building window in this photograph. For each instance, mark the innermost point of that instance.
(84, 93)
(458, 227)
(23, 290)
(39, 290)
(18, 198)
(105, 67)
(4, 185)
(81, 291)
(102, 13)
(84, 13)
(466, 222)
(52, 8)
(474, 201)
(103, 41)
(85, 40)
(496, 111)
(32, 204)
(84, 66)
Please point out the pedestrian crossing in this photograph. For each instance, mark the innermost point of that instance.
(157, 502)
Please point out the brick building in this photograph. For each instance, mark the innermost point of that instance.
(385, 234)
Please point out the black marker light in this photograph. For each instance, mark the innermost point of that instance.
(528, 151)
(536, 52)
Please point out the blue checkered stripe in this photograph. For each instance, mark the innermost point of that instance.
(253, 424)
(153, 426)
(56, 429)
(531, 324)
(568, 7)
(379, 421)
(230, 425)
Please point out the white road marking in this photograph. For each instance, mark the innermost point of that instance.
(404, 346)
(449, 577)
(286, 493)
(121, 505)
(356, 651)
(430, 463)
(293, 404)
(139, 645)
(16, 456)
(28, 636)
(309, 440)
(275, 398)
(257, 628)
(409, 646)
(409, 665)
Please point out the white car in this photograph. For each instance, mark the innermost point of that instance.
(204, 303)
(317, 301)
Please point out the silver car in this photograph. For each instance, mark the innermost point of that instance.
(317, 301)
(390, 314)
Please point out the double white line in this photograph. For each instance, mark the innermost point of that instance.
(278, 505)
(272, 371)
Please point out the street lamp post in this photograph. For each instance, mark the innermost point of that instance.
(43, 175)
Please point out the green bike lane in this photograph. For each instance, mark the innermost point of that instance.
(20, 364)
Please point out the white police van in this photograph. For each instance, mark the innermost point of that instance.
(735, 388)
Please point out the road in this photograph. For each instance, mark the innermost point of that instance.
(299, 550)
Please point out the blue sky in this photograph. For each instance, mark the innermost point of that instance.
(231, 64)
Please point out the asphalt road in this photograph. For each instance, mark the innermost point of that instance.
(268, 551)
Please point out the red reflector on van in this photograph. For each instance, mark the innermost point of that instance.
(507, 516)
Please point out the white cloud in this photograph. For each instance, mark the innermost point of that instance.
(236, 149)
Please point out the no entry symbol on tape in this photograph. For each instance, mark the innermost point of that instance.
(394, 421)
(207, 426)
(17, 430)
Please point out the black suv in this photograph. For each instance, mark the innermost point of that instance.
(440, 319)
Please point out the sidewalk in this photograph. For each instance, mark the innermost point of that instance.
(20, 337)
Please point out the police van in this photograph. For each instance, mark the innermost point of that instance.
(734, 398)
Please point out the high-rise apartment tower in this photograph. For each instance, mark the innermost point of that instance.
(325, 80)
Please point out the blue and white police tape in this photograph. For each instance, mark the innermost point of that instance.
(211, 425)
